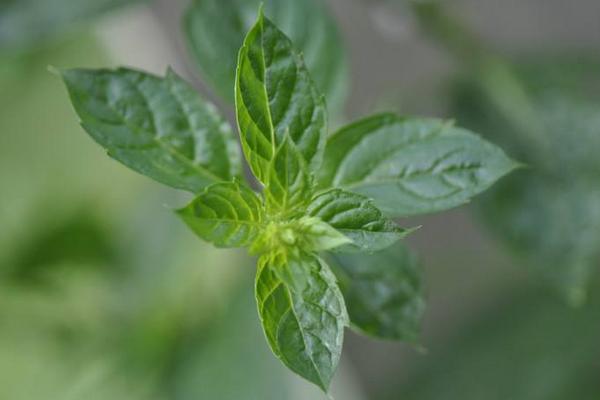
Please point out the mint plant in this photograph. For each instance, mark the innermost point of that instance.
(318, 194)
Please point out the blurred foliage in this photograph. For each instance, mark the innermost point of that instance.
(79, 240)
(550, 212)
(27, 23)
(544, 111)
(530, 347)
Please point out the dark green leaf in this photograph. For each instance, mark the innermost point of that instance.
(225, 214)
(275, 97)
(303, 314)
(382, 292)
(159, 127)
(411, 166)
(356, 217)
(215, 31)
(289, 183)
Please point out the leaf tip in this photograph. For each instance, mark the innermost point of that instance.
(408, 231)
(54, 70)
(170, 72)
(517, 165)
(261, 11)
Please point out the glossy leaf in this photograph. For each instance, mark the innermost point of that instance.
(215, 31)
(275, 97)
(383, 292)
(356, 217)
(289, 183)
(225, 214)
(411, 166)
(159, 127)
(303, 314)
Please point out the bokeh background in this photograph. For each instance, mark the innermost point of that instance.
(105, 295)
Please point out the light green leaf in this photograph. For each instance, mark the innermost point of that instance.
(306, 234)
(159, 127)
(215, 31)
(411, 166)
(302, 313)
(356, 217)
(382, 292)
(276, 97)
(289, 183)
(226, 214)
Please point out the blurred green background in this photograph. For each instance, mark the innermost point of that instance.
(104, 295)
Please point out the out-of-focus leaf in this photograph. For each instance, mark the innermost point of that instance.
(225, 214)
(550, 214)
(24, 23)
(215, 31)
(382, 292)
(80, 240)
(221, 362)
(533, 348)
(411, 166)
(159, 127)
(303, 314)
(356, 217)
(275, 99)
(554, 226)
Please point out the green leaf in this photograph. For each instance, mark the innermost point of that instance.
(411, 166)
(382, 292)
(215, 31)
(356, 217)
(306, 234)
(289, 183)
(226, 214)
(303, 314)
(275, 97)
(159, 127)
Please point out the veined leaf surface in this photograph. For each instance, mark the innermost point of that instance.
(159, 127)
(411, 166)
(226, 214)
(276, 98)
(303, 314)
(358, 218)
